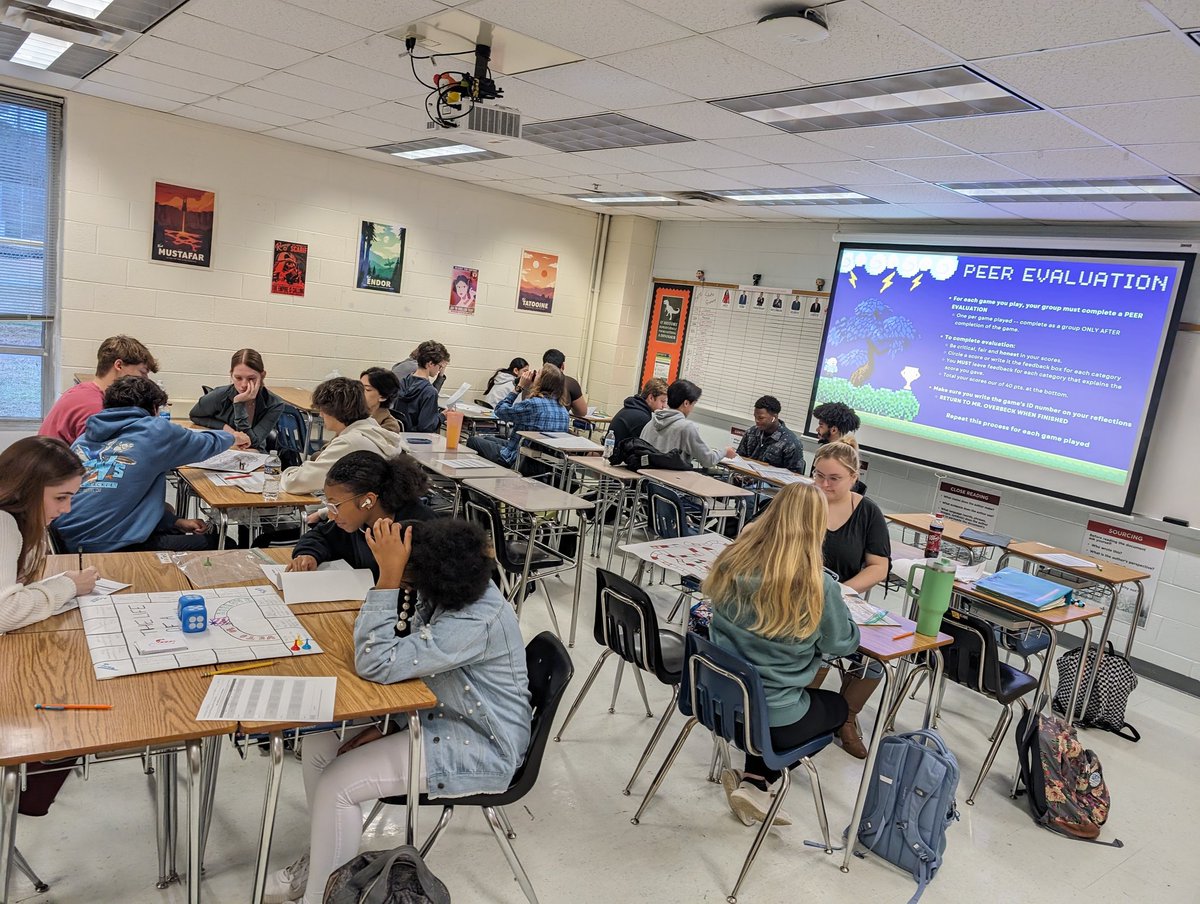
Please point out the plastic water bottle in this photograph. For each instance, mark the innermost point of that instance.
(271, 477)
(933, 542)
(164, 413)
(610, 445)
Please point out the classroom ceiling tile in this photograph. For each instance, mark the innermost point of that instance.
(1183, 157)
(329, 132)
(538, 104)
(602, 86)
(145, 86)
(1036, 130)
(777, 148)
(1060, 211)
(880, 142)
(374, 15)
(527, 167)
(965, 213)
(168, 75)
(862, 42)
(1148, 122)
(629, 159)
(702, 15)
(387, 56)
(585, 164)
(437, 151)
(594, 133)
(216, 37)
(762, 176)
(224, 119)
(629, 181)
(703, 121)
(701, 68)
(568, 26)
(280, 103)
(245, 111)
(332, 71)
(1154, 67)
(295, 86)
(378, 130)
(887, 212)
(701, 155)
(309, 140)
(1079, 163)
(952, 169)
(275, 19)
(703, 180)
(913, 194)
(189, 59)
(857, 171)
(1017, 26)
(136, 98)
(1184, 13)
(402, 116)
(1152, 211)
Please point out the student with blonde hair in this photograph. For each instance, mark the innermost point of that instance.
(858, 550)
(774, 605)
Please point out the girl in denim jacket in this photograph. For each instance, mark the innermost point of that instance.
(434, 614)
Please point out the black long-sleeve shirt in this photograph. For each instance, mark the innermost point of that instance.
(326, 542)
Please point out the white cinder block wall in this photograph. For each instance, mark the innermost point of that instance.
(193, 318)
(794, 256)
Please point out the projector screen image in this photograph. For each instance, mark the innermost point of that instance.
(1028, 367)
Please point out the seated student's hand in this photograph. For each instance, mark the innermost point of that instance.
(391, 544)
(191, 525)
(302, 563)
(526, 379)
(313, 518)
(85, 581)
(250, 392)
(363, 737)
(730, 452)
(240, 440)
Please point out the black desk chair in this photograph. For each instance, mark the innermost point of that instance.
(626, 624)
(550, 672)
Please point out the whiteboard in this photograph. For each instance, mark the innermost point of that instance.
(1169, 484)
(738, 353)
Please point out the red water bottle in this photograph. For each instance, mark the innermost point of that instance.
(933, 542)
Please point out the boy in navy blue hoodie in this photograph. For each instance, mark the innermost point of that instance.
(127, 451)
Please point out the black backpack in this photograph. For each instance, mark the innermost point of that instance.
(1114, 684)
(635, 453)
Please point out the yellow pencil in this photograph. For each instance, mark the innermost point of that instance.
(240, 668)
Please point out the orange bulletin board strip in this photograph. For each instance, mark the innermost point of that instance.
(668, 326)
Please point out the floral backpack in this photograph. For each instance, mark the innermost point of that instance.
(1065, 782)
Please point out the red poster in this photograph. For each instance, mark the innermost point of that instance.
(290, 269)
(183, 225)
(668, 326)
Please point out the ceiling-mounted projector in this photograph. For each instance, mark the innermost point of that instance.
(803, 26)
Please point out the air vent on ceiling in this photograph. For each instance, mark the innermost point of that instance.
(697, 196)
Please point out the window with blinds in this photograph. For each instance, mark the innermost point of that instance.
(30, 202)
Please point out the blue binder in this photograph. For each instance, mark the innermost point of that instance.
(1026, 590)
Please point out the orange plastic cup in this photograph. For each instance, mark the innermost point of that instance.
(454, 421)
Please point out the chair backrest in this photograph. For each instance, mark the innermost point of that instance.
(973, 660)
(205, 389)
(58, 546)
(290, 437)
(481, 509)
(667, 518)
(550, 671)
(627, 624)
(484, 403)
(725, 694)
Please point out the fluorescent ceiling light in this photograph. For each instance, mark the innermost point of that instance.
(453, 150)
(631, 198)
(39, 51)
(819, 194)
(89, 9)
(1148, 189)
(950, 93)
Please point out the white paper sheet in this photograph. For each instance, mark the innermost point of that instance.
(247, 483)
(457, 396)
(1068, 560)
(274, 572)
(104, 587)
(326, 586)
(232, 460)
(268, 699)
(866, 614)
(466, 464)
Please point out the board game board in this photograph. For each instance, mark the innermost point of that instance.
(245, 623)
(687, 556)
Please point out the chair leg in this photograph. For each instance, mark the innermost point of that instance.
(998, 735)
(550, 609)
(919, 671)
(22, 864)
(506, 822)
(678, 603)
(443, 821)
(650, 745)
(587, 685)
(819, 802)
(612, 706)
(510, 855)
(664, 768)
(637, 675)
(373, 815)
(784, 783)
(714, 766)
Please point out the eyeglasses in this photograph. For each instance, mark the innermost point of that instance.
(334, 506)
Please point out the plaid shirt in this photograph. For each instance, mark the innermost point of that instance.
(533, 413)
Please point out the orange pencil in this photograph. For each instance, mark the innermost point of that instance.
(63, 706)
(902, 636)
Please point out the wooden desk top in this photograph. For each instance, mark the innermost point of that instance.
(528, 495)
(750, 472)
(293, 395)
(1108, 573)
(599, 465)
(561, 442)
(878, 643)
(597, 418)
(1053, 618)
(695, 484)
(356, 697)
(953, 532)
(223, 497)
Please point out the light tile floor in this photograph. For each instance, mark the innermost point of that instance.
(577, 844)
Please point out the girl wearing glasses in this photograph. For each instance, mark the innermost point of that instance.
(362, 488)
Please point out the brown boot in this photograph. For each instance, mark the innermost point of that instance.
(856, 692)
(819, 678)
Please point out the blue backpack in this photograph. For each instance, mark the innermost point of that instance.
(910, 802)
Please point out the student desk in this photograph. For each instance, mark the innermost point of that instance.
(435, 464)
(539, 502)
(617, 486)
(415, 442)
(475, 416)
(919, 523)
(769, 479)
(1109, 576)
(227, 500)
(702, 487)
(558, 446)
(877, 642)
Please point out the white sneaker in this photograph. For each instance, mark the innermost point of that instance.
(750, 804)
(287, 884)
(730, 780)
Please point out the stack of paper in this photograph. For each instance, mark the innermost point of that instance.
(232, 460)
(233, 698)
(866, 614)
(247, 483)
(275, 572)
(466, 463)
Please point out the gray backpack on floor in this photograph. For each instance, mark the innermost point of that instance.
(398, 876)
(910, 802)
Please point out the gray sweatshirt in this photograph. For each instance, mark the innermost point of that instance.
(669, 430)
